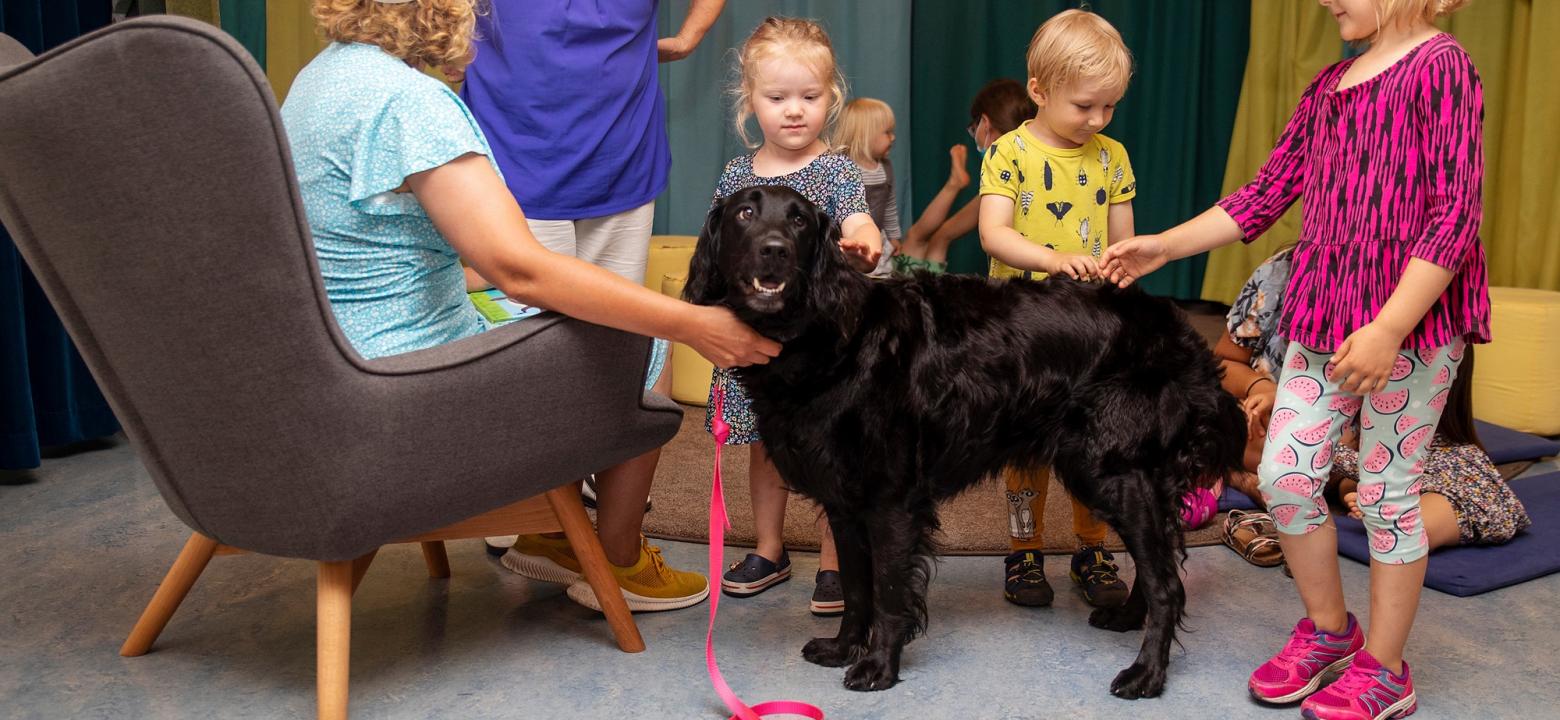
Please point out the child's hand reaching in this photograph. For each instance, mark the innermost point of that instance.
(1131, 259)
(958, 175)
(860, 254)
(1077, 267)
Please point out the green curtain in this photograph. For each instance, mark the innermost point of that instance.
(871, 41)
(1511, 42)
(1175, 119)
(245, 21)
(1290, 43)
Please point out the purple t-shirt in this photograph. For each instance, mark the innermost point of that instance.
(567, 94)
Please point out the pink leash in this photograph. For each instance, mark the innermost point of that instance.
(719, 523)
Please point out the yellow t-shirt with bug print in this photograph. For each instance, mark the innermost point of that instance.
(1061, 198)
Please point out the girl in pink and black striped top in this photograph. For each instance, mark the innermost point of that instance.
(1388, 283)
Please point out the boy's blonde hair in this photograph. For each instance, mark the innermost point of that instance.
(793, 39)
(1078, 45)
(862, 119)
(1392, 12)
(432, 33)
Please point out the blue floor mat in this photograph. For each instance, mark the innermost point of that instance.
(1503, 444)
(1465, 571)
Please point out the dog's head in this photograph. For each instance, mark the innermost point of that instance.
(766, 251)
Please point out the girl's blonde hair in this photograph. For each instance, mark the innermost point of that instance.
(862, 119)
(793, 39)
(430, 33)
(1393, 12)
(1078, 45)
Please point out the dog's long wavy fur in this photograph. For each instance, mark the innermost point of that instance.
(893, 395)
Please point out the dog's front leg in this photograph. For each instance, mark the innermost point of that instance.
(899, 574)
(855, 553)
(1157, 593)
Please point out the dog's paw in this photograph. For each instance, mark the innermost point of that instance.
(1138, 681)
(830, 652)
(871, 673)
(1118, 619)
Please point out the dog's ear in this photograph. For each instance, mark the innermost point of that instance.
(825, 289)
(705, 284)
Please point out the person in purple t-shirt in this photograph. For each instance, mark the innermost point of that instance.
(568, 97)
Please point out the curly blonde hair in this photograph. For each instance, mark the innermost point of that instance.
(1078, 45)
(792, 39)
(428, 33)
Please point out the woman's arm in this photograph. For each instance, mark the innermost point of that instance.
(1239, 376)
(474, 211)
(701, 15)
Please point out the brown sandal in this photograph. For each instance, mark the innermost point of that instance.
(1253, 536)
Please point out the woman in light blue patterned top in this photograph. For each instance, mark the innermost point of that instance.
(399, 186)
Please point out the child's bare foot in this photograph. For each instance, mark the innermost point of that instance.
(1352, 500)
(958, 175)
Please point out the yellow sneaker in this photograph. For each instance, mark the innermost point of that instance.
(544, 558)
(649, 585)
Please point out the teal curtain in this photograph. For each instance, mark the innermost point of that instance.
(872, 44)
(245, 21)
(47, 396)
(1175, 120)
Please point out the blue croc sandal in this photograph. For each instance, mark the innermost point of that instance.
(755, 574)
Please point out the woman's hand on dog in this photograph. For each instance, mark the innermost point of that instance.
(724, 340)
(1124, 262)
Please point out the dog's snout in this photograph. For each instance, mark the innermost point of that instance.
(774, 249)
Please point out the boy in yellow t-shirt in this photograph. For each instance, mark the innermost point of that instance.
(1054, 194)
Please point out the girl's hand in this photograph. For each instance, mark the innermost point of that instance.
(1077, 267)
(1364, 360)
(860, 255)
(1126, 261)
(958, 175)
(726, 341)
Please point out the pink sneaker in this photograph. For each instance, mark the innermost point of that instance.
(1308, 658)
(1367, 691)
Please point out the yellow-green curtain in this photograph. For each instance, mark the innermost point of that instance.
(291, 41)
(1513, 46)
(199, 9)
(1290, 43)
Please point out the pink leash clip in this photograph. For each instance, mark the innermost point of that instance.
(719, 523)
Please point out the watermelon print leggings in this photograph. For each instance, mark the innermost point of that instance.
(1396, 424)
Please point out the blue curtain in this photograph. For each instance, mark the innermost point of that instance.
(47, 397)
(871, 42)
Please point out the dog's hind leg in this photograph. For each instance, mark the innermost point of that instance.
(1158, 599)
(855, 553)
(900, 557)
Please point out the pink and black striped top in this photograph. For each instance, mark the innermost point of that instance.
(1386, 170)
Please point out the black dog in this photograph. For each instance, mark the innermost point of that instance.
(968, 376)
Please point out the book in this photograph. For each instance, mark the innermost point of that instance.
(498, 309)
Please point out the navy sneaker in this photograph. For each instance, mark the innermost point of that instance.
(755, 574)
(1026, 584)
(828, 594)
(1094, 572)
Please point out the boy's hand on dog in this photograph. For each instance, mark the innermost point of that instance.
(1124, 262)
(1077, 267)
(726, 341)
(1364, 361)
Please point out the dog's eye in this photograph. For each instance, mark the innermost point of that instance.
(799, 221)
(745, 214)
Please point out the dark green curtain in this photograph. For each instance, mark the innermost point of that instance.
(47, 397)
(1175, 120)
(245, 21)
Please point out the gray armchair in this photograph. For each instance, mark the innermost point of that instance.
(146, 178)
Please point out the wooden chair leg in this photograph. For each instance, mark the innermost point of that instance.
(333, 637)
(175, 585)
(566, 505)
(360, 567)
(438, 561)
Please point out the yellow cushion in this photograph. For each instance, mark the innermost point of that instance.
(690, 371)
(1516, 379)
(669, 255)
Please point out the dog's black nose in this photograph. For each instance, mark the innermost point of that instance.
(774, 249)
